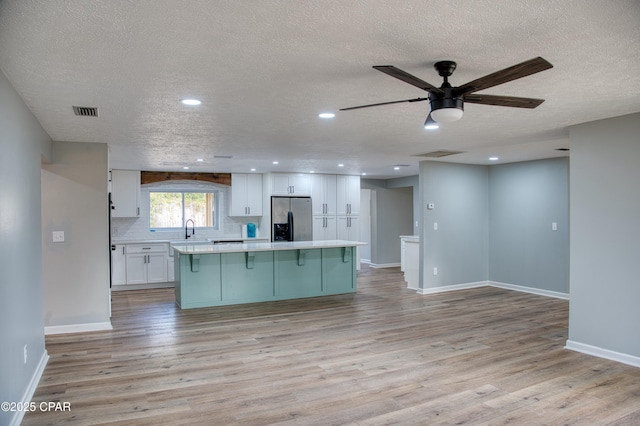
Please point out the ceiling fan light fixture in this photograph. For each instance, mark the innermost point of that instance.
(447, 110)
(430, 123)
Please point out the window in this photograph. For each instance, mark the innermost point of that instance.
(171, 209)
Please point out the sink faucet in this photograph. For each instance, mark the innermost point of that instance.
(186, 229)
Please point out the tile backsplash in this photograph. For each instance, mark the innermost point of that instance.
(137, 228)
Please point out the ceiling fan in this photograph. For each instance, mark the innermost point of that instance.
(447, 102)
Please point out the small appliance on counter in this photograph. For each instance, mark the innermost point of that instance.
(251, 230)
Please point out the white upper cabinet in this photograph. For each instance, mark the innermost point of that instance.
(246, 194)
(323, 194)
(125, 193)
(290, 184)
(348, 195)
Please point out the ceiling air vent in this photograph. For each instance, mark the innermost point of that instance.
(85, 111)
(223, 156)
(438, 154)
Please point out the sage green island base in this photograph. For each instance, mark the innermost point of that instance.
(258, 272)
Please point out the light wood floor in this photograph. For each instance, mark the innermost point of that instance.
(385, 355)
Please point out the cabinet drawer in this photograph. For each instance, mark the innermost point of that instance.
(146, 248)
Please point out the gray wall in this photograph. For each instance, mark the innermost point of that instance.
(524, 199)
(605, 234)
(391, 216)
(23, 143)
(459, 248)
(412, 182)
(75, 200)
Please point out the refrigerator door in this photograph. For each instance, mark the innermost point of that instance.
(301, 209)
(279, 209)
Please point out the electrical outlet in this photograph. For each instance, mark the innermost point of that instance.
(435, 271)
(58, 236)
(25, 353)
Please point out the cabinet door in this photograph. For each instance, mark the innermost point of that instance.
(324, 228)
(171, 274)
(125, 193)
(323, 194)
(292, 184)
(254, 194)
(118, 265)
(136, 268)
(348, 195)
(280, 184)
(156, 268)
(348, 228)
(239, 182)
(318, 228)
(300, 184)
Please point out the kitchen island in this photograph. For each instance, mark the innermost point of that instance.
(228, 274)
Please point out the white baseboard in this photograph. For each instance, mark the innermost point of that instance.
(31, 389)
(384, 265)
(603, 353)
(465, 286)
(78, 328)
(124, 287)
(531, 290)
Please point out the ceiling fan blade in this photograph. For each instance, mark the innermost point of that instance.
(408, 78)
(514, 72)
(385, 103)
(508, 101)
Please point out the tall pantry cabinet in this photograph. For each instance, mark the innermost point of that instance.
(336, 207)
(348, 207)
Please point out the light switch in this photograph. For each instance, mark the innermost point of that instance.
(58, 236)
(435, 226)
(554, 226)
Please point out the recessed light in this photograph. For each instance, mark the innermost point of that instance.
(340, 165)
(364, 174)
(191, 102)
(311, 171)
(186, 168)
(326, 115)
(275, 162)
(200, 160)
(493, 158)
(396, 168)
(253, 170)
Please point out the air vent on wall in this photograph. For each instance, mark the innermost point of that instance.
(438, 154)
(85, 111)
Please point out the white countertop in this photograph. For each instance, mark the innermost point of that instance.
(411, 238)
(185, 248)
(189, 241)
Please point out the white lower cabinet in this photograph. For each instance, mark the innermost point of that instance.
(324, 228)
(118, 264)
(146, 263)
(171, 274)
(348, 228)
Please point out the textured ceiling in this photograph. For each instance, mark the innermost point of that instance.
(265, 69)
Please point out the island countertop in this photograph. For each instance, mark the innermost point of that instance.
(254, 247)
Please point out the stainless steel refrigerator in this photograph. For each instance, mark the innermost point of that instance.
(291, 219)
